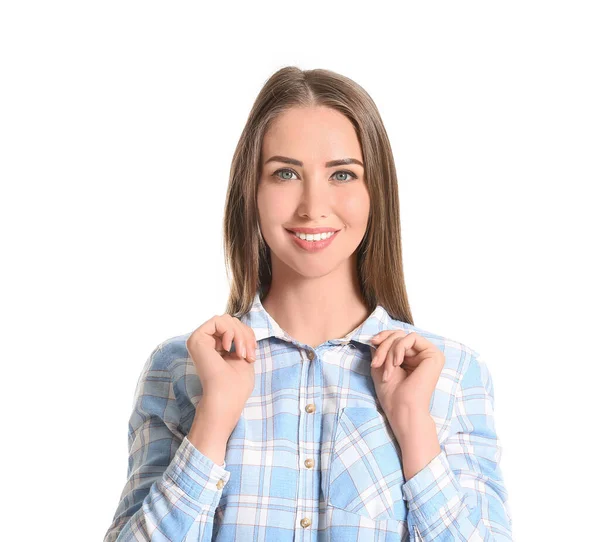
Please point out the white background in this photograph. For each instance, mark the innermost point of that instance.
(118, 122)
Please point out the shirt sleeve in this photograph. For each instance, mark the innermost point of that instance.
(460, 494)
(172, 489)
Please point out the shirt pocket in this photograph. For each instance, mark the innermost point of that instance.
(365, 475)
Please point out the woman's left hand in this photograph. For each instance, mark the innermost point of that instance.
(412, 366)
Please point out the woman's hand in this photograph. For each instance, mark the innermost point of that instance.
(227, 378)
(405, 369)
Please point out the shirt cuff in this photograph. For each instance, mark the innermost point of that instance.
(198, 476)
(432, 490)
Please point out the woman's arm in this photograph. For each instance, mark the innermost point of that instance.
(456, 491)
(172, 489)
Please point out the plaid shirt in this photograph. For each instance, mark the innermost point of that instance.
(313, 456)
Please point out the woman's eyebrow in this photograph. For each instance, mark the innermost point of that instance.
(331, 163)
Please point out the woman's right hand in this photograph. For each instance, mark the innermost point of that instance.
(227, 378)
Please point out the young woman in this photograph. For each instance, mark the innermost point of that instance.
(313, 408)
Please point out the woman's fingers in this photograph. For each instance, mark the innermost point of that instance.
(228, 334)
(390, 354)
(247, 342)
(250, 342)
(388, 366)
(381, 353)
(399, 352)
(227, 331)
(383, 341)
(239, 338)
(227, 339)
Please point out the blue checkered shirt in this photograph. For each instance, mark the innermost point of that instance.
(313, 457)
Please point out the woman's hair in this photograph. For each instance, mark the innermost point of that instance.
(379, 258)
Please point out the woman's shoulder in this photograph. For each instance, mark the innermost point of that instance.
(168, 351)
(458, 355)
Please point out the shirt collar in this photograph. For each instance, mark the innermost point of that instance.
(264, 326)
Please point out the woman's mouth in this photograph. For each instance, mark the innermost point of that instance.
(313, 246)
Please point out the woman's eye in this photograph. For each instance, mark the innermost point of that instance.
(352, 175)
(285, 171)
(288, 172)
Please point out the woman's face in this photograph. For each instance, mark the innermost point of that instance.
(312, 193)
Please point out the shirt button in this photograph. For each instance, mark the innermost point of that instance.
(309, 463)
(220, 484)
(311, 355)
(305, 522)
(310, 408)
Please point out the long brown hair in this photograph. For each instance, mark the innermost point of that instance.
(379, 258)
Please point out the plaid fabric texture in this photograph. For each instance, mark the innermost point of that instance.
(313, 457)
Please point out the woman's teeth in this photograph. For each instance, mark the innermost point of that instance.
(314, 237)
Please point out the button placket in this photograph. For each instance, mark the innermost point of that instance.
(308, 463)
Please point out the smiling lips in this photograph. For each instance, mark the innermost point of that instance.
(313, 246)
(312, 230)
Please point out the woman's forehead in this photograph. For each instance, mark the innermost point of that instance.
(315, 136)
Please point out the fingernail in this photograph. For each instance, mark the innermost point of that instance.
(385, 375)
(243, 351)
